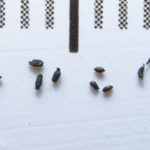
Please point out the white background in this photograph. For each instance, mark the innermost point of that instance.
(70, 116)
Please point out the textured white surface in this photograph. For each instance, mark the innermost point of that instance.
(71, 116)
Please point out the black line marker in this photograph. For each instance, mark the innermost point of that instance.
(146, 14)
(74, 25)
(2, 13)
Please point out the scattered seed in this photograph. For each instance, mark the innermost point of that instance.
(56, 75)
(36, 63)
(141, 72)
(99, 69)
(94, 85)
(38, 82)
(148, 61)
(107, 88)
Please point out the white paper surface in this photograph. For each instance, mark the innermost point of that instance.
(70, 116)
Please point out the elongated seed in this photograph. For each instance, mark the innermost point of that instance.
(36, 63)
(56, 75)
(148, 61)
(99, 69)
(141, 72)
(38, 81)
(94, 85)
(107, 88)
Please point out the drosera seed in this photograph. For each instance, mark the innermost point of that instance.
(36, 63)
(107, 88)
(56, 75)
(141, 72)
(99, 69)
(94, 85)
(38, 81)
(148, 62)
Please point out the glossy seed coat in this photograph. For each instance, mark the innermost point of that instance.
(38, 81)
(99, 69)
(56, 75)
(148, 61)
(107, 88)
(94, 85)
(36, 63)
(141, 72)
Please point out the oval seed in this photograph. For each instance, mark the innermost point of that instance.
(36, 63)
(107, 88)
(99, 69)
(141, 72)
(148, 61)
(94, 85)
(56, 75)
(38, 81)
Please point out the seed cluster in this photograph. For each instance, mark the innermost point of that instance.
(95, 86)
(49, 14)
(37, 63)
(2, 13)
(146, 14)
(25, 14)
(98, 13)
(123, 12)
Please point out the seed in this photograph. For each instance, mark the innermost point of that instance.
(38, 82)
(99, 69)
(94, 85)
(56, 75)
(0, 77)
(141, 72)
(36, 63)
(148, 61)
(107, 88)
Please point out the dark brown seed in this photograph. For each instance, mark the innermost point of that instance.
(56, 75)
(141, 72)
(99, 69)
(36, 63)
(38, 81)
(148, 61)
(94, 85)
(107, 88)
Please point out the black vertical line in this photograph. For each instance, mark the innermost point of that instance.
(74, 25)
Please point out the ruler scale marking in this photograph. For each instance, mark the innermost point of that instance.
(74, 25)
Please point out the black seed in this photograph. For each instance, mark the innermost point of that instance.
(141, 72)
(38, 82)
(107, 88)
(56, 75)
(99, 69)
(148, 61)
(94, 85)
(36, 63)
